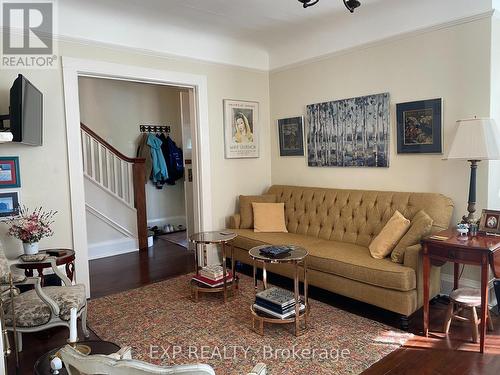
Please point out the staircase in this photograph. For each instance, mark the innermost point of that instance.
(115, 196)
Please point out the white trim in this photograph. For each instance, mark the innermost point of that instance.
(447, 287)
(98, 214)
(400, 36)
(72, 69)
(107, 249)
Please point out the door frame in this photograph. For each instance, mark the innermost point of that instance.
(72, 69)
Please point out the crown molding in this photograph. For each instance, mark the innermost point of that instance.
(393, 38)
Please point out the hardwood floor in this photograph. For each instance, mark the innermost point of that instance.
(434, 355)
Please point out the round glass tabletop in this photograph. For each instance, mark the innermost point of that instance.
(296, 254)
(212, 237)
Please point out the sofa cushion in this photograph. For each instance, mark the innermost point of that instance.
(421, 226)
(269, 217)
(246, 210)
(389, 236)
(340, 258)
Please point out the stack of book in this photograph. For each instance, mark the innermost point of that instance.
(276, 302)
(213, 276)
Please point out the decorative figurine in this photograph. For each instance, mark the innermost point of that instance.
(463, 229)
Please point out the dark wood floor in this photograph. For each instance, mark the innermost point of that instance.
(434, 355)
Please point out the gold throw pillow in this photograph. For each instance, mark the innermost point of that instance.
(269, 217)
(389, 236)
(421, 226)
(246, 210)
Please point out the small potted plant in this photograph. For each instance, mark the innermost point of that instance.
(30, 227)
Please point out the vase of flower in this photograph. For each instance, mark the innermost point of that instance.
(30, 227)
(30, 248)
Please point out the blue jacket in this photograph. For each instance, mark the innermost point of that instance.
(159, 172)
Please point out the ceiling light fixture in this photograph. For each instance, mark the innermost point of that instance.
(349, 4)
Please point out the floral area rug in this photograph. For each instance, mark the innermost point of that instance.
(165, 327)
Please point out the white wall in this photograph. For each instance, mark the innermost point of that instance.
(494, 166)
(44, 170)
(452, 63)
(114, 109)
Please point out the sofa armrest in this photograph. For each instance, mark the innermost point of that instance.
(413, 258)
(234, 221)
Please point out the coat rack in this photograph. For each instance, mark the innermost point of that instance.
(154, 129)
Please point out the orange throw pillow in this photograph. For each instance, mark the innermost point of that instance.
(269, 217)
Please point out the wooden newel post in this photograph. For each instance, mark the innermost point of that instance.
(139, 171)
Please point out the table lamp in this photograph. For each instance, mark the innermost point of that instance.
(476, 139)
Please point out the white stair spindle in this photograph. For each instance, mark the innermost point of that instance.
(130, 176)
(101, 162)
(92, 159)
(85, 142)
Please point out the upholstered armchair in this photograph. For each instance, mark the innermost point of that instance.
(120, 363)
(40, 308)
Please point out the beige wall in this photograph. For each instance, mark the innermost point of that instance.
(494, 166)
(114, 109)
(44, 170)
(451, 63)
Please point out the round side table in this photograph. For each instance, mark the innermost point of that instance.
(42, 365)
(296, 257)
(213, 238)
(64, 257)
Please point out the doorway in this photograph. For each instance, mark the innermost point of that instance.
(197, 98)
(137, 120)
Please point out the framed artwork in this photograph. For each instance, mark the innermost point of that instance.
(490, 222)
(9, 204)
(291, 136)
(9, 172)
(241, 129)
(420, 127)
(349, 133)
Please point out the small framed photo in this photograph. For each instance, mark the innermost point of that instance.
(9, 172)
(490, 222)
(420, 127)
(9, 204)
(241, 129)
(291, 136)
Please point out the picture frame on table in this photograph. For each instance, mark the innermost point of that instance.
(490, 222)
(291, 136)
(420, 127)
(9, 204)
(9, 172)
(241, 129)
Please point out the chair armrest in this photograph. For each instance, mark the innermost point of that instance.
(66, 281)
(259, 369)
(412, 257)
(234, 221)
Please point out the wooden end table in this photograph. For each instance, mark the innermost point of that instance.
(64, 257)
(480, 250)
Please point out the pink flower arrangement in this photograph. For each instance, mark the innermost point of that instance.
(31, 227)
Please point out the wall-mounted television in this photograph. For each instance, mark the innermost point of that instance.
(26, 112)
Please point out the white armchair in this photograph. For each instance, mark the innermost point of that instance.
(77, 363)
(41, 308)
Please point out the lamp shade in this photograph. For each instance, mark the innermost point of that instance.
(476, 139)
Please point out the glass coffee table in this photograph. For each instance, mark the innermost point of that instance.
(297, 257)
(222, 239)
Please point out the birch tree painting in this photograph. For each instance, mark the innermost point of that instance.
(349, 133)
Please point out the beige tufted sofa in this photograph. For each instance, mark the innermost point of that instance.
(336, 226)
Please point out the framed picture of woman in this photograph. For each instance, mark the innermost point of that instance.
(241, 129)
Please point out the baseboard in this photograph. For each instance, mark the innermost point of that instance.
(447, 287)
(174, 220)
(111, 248)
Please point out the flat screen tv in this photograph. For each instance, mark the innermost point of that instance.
(26, 112)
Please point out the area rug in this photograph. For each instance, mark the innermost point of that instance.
(163, 326)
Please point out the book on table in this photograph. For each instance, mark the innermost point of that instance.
(213, 272)
(213, 283)
(277, 302)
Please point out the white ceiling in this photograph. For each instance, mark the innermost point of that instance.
(254, 33)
